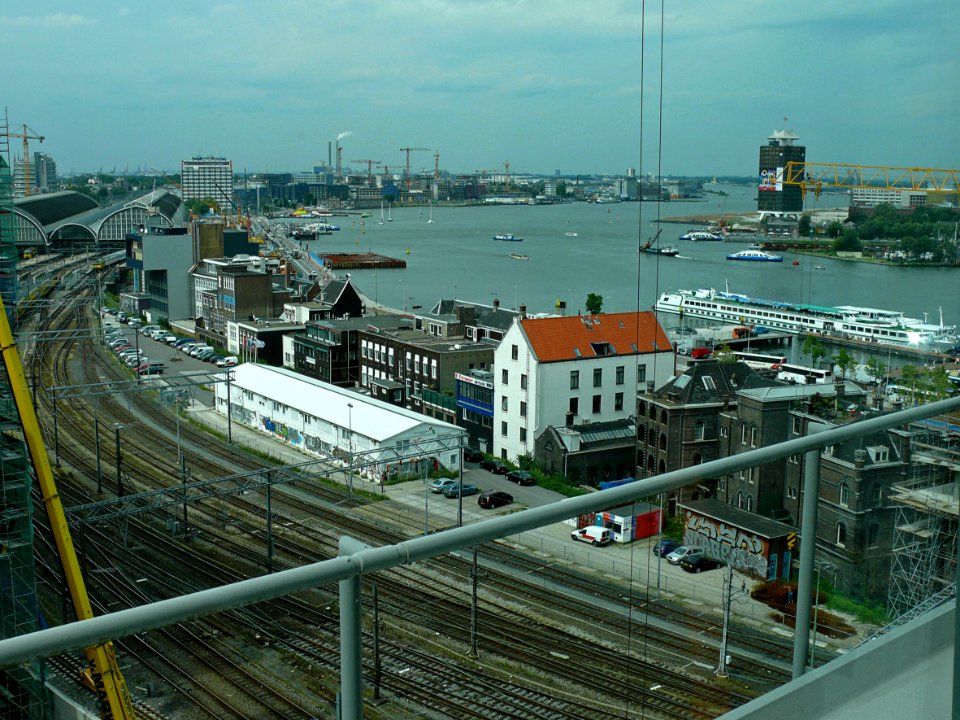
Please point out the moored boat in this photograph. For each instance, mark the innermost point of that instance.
(668, 251)
(519, 256)
(888, 327)
(508, 237)
(755, 256)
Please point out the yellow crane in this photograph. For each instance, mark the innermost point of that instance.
(409, 150)
(813, 177)
(104, 672)
(26, 135)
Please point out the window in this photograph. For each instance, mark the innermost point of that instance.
(598, 377)
(596, 404)
(698, 430)
(523, 435)
(641, 373)
(503, 403)
(619, 379)
(618, 401)
(753, 436)
(844, 495)
(574, 406)
(873, 535)
(743, 434)
(504, 377)
(724, 431)
(514, 352)
(740, 500)
(523, 382)
(841, 535)
(796, 426)
(523, 409)
(876, 495)
(574, 379)
(503, 429)
(749, 503)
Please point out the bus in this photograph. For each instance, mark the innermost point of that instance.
(800, 375)
(760, 361)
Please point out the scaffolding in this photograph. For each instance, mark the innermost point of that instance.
(925, 532)
(22, 688)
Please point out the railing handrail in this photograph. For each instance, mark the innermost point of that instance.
(43, 643)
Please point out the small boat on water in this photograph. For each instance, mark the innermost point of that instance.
(519, 256)
(571, 234)
(652, 247)
(508, 237)
(755, 256)
(702, 236)
(364, 214)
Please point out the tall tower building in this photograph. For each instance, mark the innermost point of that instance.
(773, 195)
(208, 177)
(44, 172)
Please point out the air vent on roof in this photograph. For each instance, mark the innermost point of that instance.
(621, 323)
(576, 351)
(633, 346)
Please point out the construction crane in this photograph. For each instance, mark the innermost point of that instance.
(26, 135)
(370, 164)
(104, 673)
(813, 177)
(409, 150)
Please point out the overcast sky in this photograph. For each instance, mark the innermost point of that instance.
(546, 85)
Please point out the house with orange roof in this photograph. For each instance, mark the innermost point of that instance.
(566, 371)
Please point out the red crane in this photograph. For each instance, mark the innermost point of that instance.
(408, 150)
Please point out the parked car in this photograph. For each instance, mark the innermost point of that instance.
(665, 547)
(699, 563)
(149, 329)
(150, 368)
(497, 467)
(440, 484)
(494, 499)
(472, 455)
(455, 490)
(135, 324)
(181, 342)
(206, 354)
(593, 534)
(684, 551)
(228, 362)
(521, 477)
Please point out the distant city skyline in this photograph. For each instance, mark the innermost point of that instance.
(543, 86)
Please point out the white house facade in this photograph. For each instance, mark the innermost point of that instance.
(565, 371)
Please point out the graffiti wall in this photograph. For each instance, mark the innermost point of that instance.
(744, 550)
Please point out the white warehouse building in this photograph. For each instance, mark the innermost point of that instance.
(565, 371)
(331, 422)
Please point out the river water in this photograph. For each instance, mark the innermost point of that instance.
(455, 256)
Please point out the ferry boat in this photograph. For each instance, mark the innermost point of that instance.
(509, 237)
(755, 256)
(702, 236)
(888, 327)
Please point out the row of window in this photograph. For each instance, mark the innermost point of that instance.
(573, 405)
(505, 378)
(598, 376)
(505, 428)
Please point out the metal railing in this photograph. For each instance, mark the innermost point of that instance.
(357, 560)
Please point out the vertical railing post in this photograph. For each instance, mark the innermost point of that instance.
(808, 549)
(351, 638)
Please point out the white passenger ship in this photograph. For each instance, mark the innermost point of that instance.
(860, 323)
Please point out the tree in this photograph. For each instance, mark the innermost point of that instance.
(594, 303)
(805, 225)
(846, 362)
(876, 370)
(814, 348)
(724, 355)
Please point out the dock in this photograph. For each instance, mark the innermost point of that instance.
(360, 261)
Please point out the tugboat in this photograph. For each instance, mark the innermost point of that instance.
(508, 237)
(652, 248)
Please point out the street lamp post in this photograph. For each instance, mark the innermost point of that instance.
(816, 607)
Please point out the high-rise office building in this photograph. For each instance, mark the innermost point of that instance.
(44, 172)
(208, 178)
(774, 195)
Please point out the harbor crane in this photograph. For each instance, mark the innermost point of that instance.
(813, 177)
(26, 135)
(409, 150)
(370, 164)
(104, 673)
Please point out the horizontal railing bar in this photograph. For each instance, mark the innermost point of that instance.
(52, 641)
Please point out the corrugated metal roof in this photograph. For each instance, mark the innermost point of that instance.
(372, 418)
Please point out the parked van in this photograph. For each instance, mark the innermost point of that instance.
(593, 534)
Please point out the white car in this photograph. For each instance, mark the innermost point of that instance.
(684, 551)
(228, 362)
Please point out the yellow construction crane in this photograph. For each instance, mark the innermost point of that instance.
(104, 672)
(370, 164)
(26, 135)
(813, 177)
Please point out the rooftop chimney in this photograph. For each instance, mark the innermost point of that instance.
(496, 304)
(523, 312)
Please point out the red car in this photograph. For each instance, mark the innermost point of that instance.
(700, 353)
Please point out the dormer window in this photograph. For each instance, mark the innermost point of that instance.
(602, 349)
